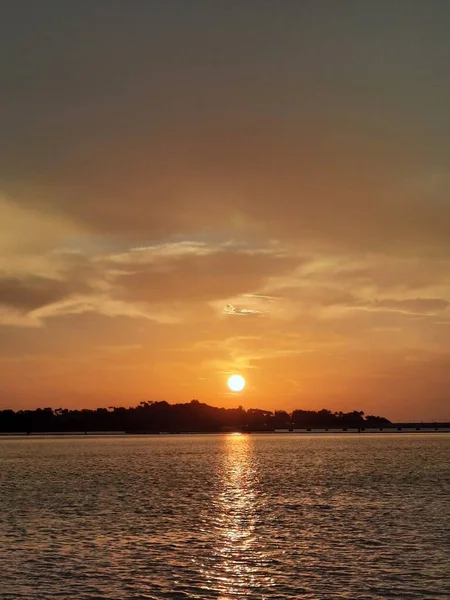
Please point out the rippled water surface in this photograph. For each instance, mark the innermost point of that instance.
(226, 516)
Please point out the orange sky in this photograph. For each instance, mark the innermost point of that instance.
(257, 188)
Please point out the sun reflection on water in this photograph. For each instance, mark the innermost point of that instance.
(234, 565)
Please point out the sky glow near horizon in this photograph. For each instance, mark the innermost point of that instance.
(190, 190)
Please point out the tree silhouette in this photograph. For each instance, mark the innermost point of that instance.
(155, 417)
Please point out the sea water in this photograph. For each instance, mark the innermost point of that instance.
(225, 516)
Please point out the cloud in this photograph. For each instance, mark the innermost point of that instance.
(189, 277)
(343, 194)
(164, 252)
(11, 317)
(164, 282)
(419, 306)
(262, 297)
(230, 309)
(103, 305)
(32, 292)
(32, 229)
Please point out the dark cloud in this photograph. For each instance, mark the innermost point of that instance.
(342, 193)
(146, 123)
(191, 279)
(31, 292)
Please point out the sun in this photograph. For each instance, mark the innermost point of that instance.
(236, 383)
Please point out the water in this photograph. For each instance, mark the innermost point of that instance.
(231, 516)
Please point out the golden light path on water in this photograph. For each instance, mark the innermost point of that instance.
(235, 566)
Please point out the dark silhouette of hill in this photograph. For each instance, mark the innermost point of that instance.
(193, 416)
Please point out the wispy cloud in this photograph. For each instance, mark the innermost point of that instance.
(103, 305)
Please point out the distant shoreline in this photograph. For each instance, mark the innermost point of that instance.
(444, 428)
(194, 417)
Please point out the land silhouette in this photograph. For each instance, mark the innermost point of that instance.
(194, 416)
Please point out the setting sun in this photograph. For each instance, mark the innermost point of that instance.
(236, 383)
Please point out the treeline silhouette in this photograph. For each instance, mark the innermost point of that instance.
(154, 417)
